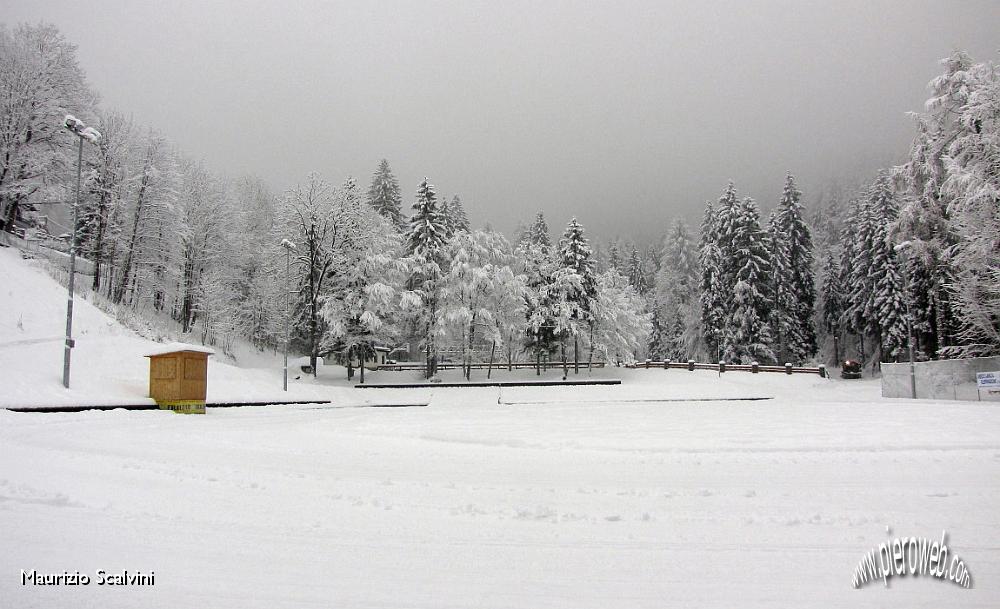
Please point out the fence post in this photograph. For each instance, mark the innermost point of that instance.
(788, 368)
(691, 365)
(722, 367)
(666, 364)
(822, 370)
(755, 367)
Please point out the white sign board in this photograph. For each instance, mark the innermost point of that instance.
(988, 380)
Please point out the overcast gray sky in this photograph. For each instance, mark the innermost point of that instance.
(625, 114)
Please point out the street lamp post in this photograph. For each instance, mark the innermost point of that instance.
(289, 247)
(92, 135)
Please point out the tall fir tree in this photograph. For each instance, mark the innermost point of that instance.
(887, 302)
(448, 220)
(676, 307)
(713, 309)
(576, 254)
(651, 264)
(748, 336)
(428, 226)
(636, 274)
(614, 255)
(385, 196)
(459, 219)
(727, 217)
(425, 240)
(538, 234)
(833, 304)
(792, 275)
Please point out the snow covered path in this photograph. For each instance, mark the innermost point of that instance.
(466, 503)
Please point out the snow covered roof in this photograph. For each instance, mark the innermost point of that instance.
(175, 347)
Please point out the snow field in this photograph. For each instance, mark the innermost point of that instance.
(526, 497)
(470, 503)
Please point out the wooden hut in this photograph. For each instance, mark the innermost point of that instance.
(178, 377)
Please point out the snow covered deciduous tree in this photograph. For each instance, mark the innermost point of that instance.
(206, 226)
(620, 326)
(951, 217)
(146, 262)
(309, 209)
(101, 218)
(258, 263)
(479, 283)
(40, 83)
(365, 282)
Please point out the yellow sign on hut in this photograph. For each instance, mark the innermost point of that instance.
(178, 377)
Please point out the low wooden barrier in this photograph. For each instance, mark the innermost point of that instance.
(485, 365)
(753, 368)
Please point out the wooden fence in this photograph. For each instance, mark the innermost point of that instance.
(753, 368)
(486, 365)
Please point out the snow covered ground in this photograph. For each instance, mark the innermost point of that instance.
(529, 497)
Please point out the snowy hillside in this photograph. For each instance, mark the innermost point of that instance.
(108, 366)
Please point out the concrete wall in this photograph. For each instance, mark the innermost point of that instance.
(953, 379)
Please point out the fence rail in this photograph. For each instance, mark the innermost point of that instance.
(691, 365)
(485, 365)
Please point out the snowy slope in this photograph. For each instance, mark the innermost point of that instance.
(108, 366)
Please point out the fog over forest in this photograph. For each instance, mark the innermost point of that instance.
(626, 115)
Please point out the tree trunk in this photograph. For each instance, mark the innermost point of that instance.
(468, 351)
(489, 369)
(590, 355)
(576, 354)
(102, 222)
(126, 275)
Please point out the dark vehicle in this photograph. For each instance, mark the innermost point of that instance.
(851, 369)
